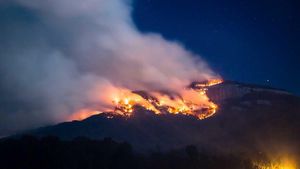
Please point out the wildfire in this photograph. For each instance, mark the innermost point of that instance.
(125, 105)
(279, 164)
(209, 83)
(191, 101)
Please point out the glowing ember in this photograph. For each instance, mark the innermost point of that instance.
(190, 101)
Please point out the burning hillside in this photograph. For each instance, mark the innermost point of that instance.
(252, 120)
(191, 100)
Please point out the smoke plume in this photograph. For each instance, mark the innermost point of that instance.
(58, 56)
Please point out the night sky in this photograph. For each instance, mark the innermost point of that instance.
(248, 41)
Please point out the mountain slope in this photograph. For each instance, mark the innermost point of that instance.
(250, 119)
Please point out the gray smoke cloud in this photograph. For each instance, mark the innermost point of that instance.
(54, 53)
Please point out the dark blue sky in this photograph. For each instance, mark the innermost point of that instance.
(249, 41)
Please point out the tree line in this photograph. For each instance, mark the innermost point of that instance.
(29, 152)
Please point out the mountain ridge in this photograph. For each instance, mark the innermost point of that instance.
(247, 121)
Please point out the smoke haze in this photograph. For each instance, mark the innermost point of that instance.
(58, 56)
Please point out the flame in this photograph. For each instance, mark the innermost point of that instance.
(284, 163)
(211, 82)
(125, 104)
(188, 101)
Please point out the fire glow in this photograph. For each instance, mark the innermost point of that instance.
(192, 101)
(278, 164)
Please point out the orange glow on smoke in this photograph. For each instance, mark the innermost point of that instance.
(121, 101)
(83, 114)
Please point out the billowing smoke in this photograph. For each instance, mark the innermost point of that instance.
(57, 56)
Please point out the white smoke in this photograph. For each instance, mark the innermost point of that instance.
(52, 64)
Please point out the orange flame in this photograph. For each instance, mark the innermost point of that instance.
(194, 102)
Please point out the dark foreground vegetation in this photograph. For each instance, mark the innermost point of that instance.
(52, 153)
